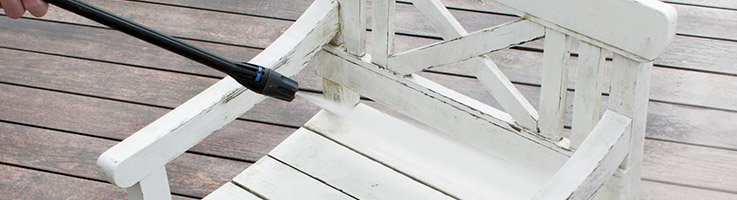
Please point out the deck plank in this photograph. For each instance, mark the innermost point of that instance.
(708, 22)
(107, 45)
(22, 183)
(347, 170)
(186, 22)
(691, 53)
(713, 3)
(690, 165)
(272, 179)
(65, 153)
(100, 79)
(287, 9)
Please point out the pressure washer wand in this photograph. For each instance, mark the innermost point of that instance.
(256, 78)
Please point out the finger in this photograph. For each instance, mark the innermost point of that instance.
(37, 8)
(13, 8)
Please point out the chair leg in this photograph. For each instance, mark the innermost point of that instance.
(155, 186)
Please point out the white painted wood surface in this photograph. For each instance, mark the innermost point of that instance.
(430, 156)
(382, 31)
(467, 47)
(587, 97)
(505, 93)
(337, 93)
(272, 179)
(486, 71)
(347, 170)
(474, 123)
(634, 106)
(334, 91)
(554, 84)
(353, 25)
(638, 29)
(171, 135)
(353, 32)
(592, 165)
(154, 186)
(630, 88)
(230, 191)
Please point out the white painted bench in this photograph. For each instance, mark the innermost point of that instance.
(453, 146)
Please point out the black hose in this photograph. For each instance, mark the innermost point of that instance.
(251, 76)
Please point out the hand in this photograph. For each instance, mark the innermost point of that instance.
(16, 8)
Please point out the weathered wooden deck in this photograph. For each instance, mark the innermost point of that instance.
(70, 89)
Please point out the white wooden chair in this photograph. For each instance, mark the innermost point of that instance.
(464, 149)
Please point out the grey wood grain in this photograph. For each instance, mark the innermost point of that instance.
(65, 153)
(661, 191)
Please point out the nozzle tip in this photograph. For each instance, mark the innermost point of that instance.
(280, 86)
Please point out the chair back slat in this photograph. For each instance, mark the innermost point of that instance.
(382, 32)
(554, 84)
(587, 96)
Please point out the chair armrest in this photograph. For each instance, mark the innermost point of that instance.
(594, 162)
(152, 147)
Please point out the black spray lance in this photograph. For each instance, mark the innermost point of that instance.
(256, 78)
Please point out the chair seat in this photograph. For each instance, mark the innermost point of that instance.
(367, 154)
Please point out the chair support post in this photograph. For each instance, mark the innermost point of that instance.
(154, 186)
(630, 88)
